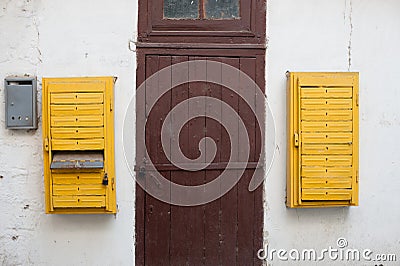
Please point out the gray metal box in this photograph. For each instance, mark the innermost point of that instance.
(21, 104)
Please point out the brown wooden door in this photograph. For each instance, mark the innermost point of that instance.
(228, 230)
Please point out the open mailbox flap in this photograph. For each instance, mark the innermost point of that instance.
(78, 160)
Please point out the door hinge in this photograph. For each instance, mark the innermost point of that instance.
(46, 144)
(142, 172)
(296, 139)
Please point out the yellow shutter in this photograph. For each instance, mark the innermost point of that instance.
(78, 136)
(322, 163)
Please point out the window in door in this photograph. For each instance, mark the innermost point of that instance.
(201, 9)
(235, 21)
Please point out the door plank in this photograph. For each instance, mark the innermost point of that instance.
(258, 224)
(180, 227)
(157, 240)
(212, 209)
(229, 203)
(140, 193)
(246, 198)
(196, 133)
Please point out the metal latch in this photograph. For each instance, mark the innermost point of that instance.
(296, 139)
(357, 99)
(46, 144)
(105, 180)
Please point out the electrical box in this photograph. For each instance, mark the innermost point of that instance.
(20, 102)
(78, 139)
(322, 139)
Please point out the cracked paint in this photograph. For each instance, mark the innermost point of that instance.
(20, 160)
(44, 38)
(36, 24)
(349, 47)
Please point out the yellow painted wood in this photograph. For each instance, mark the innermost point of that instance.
(79, 202)
(326, 161)
(77, 144)
(325, 92)
(323, 204)
(326, 183)
(326, 137)
(326, 115)
(78, 116)
(323, 126)
(326, 149)
(77, 178)
(109, 167)
(77, 121)
(76, 98)
(77, 132)
(355, 180)
(76, 109)
(322, 165)
(79, 189)
(326, 104)
(315, 171)
(92, 85)
(326, 194)
(325, 79)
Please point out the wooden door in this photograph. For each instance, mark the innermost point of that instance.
(228, 230)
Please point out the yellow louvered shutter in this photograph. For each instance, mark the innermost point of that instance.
(78, 136)
(322, 139)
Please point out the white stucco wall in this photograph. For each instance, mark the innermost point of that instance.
(63, 38)
(82, 38)
(315, 35)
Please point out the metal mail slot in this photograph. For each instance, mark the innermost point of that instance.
(79, 201)
(77, 144)
(76, 109)
(77, 160)
(76, 98)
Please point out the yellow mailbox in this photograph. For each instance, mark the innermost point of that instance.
(322, 163)
(78, 138)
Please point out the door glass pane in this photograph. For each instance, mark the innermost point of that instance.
(221, 9)
(188, 9)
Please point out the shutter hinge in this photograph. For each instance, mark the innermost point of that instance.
(46, 144)
(357, 176)
(111, 107)
(296, 139)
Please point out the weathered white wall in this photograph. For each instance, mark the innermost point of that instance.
(326, 35)
(79, 38)
(63, 38)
